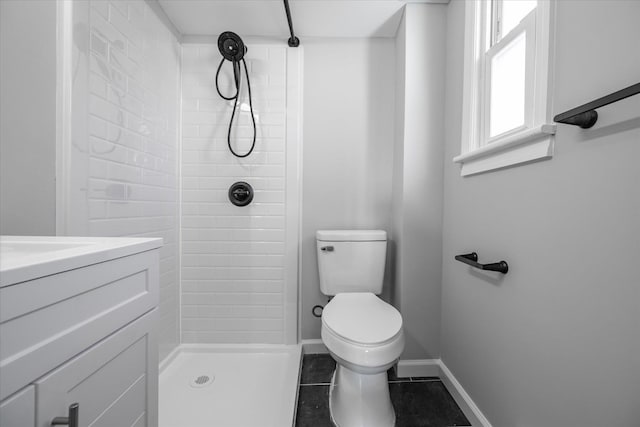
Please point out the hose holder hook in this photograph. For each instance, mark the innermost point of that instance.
(317, 310)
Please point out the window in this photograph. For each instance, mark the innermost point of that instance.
(506, 117)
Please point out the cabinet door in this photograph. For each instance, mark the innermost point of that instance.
(115, 382)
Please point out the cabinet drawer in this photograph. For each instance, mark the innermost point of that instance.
(47, 321)
(19, 409)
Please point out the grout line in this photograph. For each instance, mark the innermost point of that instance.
(390, 382)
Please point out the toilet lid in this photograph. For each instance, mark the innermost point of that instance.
(362, 317)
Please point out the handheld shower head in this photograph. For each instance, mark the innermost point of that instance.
(231, 46)
(232, 49)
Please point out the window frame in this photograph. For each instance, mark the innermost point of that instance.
(531, 141)
(526, 28)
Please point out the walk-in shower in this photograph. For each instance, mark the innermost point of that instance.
(147, 153)
(239, 283)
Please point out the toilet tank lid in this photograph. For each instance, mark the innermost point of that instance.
(351, 235)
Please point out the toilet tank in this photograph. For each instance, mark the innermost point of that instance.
(351, 260)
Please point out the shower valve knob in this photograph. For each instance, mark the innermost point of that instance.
(240, 193)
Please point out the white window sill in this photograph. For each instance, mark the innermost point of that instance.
(529, 145)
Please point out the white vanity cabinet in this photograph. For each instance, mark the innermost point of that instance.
(77, 326)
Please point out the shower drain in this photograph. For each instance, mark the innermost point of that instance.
(202, 381)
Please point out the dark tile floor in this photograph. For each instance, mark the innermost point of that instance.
(418, 401)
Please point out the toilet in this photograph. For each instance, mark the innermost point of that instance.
(362, 332)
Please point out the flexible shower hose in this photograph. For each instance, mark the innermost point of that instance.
(237, 76)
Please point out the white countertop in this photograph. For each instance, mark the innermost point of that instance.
(25, 258)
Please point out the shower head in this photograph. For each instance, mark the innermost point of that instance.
(233, 49)
(231, 46)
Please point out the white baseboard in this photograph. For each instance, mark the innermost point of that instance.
(436, 368)
(313, 347)
(404, 369)
(423, 368)
(418, 368)
(462, 398)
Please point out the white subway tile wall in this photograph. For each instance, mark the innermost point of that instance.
(233, 258)
(125, 139)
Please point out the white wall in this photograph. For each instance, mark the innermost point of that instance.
(417, 207)
(239, 264)
(235, 265)
(556, 341)
(122, 167)
(348, 148)
(394, 246)
(27, 117)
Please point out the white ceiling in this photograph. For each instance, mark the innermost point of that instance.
(267, 18)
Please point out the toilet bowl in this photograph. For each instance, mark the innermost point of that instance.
(361, 332)
(364, 335)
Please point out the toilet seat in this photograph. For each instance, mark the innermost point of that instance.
(362, 319)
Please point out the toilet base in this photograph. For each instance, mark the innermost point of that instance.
(360, 400)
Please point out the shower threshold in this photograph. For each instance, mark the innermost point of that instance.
(230, 386)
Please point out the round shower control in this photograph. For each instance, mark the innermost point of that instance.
(240, 193)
